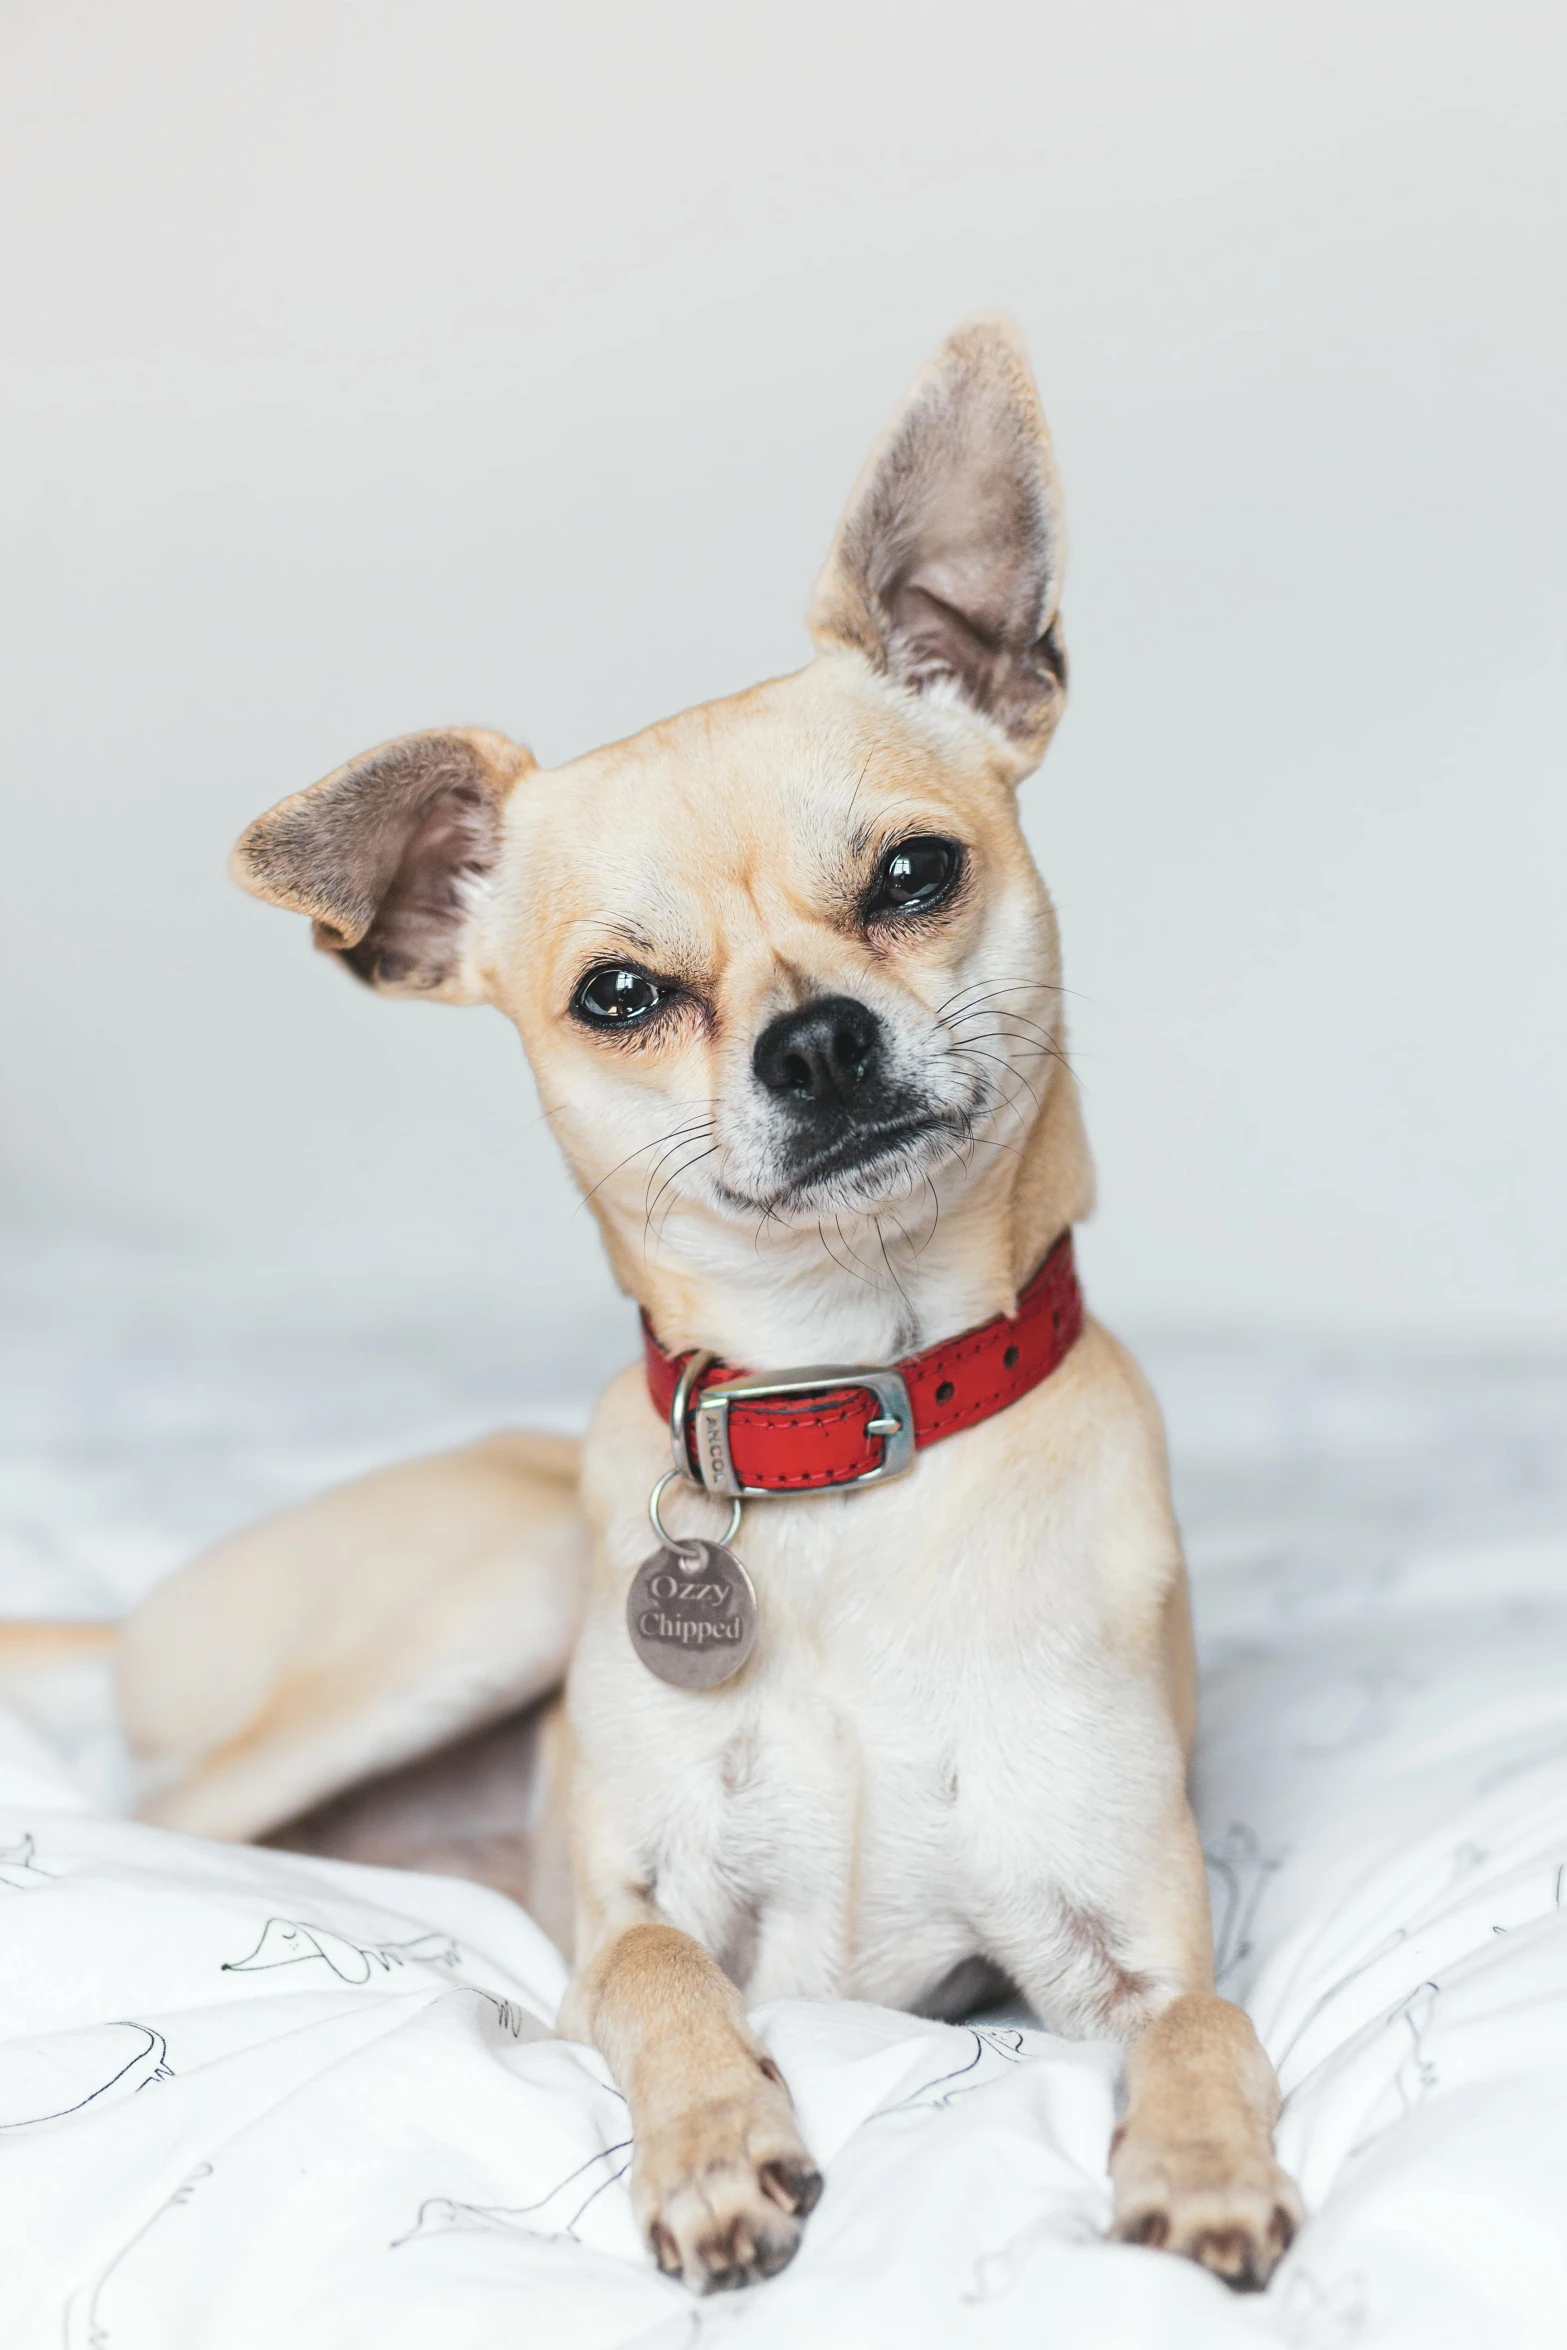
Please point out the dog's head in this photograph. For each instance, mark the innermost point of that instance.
(784, 959)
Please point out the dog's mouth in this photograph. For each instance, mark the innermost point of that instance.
(856, 1160)
(858, 1152)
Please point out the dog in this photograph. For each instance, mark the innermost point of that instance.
(790, 985)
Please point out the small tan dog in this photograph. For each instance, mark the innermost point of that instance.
(790, 985)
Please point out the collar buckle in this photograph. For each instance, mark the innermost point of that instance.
(708, 1421)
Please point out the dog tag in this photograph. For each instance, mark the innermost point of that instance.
(691, 1613)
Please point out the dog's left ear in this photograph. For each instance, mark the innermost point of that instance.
(946, 571)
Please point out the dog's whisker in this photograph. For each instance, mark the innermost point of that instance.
(689, 1141)
(891, 1269)
(1032, 1044)
(984, 989)
(1013, 1048)
(671, 1184)
(993, 1142)
(935, 1201)
(973, 1140)
(1002, 1104)
(998, 1012)
(679, 1143)
(674, 1135)
(1020, 1051)
(898, 1221)
(981, 987)
(965, 1051)
(844, 1237)
(838, 1261)
(651, 1197)
(769, 1215)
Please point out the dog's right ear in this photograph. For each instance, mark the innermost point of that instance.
(389, 857)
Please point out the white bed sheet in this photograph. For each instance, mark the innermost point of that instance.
(249, 2099)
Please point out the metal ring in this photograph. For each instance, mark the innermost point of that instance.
(662, 1531)
(695, 1365)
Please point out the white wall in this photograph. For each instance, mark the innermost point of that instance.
(377, 363)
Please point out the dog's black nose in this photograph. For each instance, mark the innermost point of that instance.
(825, 1053)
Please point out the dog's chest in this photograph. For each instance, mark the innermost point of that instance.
(814, 1841)
(841, 1817)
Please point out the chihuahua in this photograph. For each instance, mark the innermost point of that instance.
(899, 1708)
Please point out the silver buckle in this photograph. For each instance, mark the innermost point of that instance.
(894, 1423)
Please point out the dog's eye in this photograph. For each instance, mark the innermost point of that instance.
(914, 876)
(614, 996)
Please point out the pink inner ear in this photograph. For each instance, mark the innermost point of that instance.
(947, 566)
(1004, 676)
(937, 640)
(382, 853)
(414, 939)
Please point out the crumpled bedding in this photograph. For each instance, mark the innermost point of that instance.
(250, 2099)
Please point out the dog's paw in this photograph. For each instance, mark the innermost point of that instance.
(721, 2191)
(1234, 2218)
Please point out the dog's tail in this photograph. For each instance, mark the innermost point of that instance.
(59, 1674)
(353, 1634)
(27, 1646)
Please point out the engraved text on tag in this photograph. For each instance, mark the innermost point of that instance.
(691, 1613)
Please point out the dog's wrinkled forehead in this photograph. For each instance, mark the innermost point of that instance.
(738, 837)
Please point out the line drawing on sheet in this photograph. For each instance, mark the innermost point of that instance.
(134, 2067)
(1315, 2316)
(1518, 1766)
(518, 2022)
(295, 1942)
(570, 2197)
(1372, 1693)
(1244, 1872)
(995, 2273)
(1319, 2006)
(92, 2333)
(988, 2039)
(1417, 2076)
(19, 1870)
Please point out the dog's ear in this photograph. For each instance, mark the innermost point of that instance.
(946, 570)
(389, 856)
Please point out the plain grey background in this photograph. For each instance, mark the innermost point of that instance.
(369, 367)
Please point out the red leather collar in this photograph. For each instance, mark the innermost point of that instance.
(810, 1443)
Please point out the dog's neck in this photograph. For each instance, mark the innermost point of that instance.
(764, 1297)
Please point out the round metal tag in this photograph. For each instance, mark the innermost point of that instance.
(691, 1613)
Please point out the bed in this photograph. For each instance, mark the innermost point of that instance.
(251, 2098)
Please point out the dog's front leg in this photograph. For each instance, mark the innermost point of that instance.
(721, 2180)
(1192, 2161)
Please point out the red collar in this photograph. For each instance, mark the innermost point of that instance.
(847, 1424)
